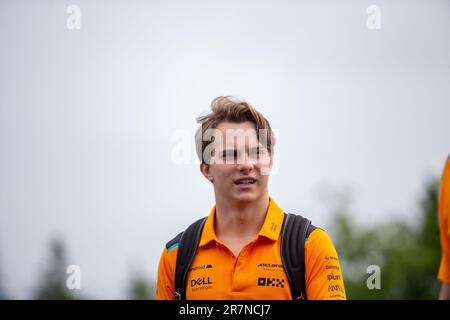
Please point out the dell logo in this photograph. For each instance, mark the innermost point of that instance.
(200, 281)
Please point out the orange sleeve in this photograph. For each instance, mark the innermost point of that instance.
(166, 272)
(444, 227)
(323, 274)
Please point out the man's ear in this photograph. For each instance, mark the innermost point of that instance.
(205, 170)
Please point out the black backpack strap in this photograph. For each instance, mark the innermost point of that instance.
(174, 242)
(294, 232)
(187, 247)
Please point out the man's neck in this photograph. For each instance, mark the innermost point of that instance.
(240, 219)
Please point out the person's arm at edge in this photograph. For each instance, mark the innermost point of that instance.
(445, 292)
(165, 284)
(323, 274)
(444, 233)
(443, 274)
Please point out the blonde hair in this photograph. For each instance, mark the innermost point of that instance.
(231, 109)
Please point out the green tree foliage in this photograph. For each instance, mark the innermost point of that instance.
(141, 288)
(407, 252)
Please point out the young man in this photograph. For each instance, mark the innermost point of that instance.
(238, 254)
(444, 225)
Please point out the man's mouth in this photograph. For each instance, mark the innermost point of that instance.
(245, 181)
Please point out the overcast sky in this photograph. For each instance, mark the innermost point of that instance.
(88, 118)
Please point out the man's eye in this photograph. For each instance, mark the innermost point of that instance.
(230, 155)
(258, 153)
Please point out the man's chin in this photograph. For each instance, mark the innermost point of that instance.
(245, 197)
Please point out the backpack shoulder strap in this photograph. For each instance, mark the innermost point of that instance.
(187, 247)
(294, 232)
(174, 242)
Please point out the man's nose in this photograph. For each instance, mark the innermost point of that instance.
(245, 162)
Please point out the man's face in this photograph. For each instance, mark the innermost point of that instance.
(240, 164)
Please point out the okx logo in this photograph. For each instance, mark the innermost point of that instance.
(200, 282)
(271, 282)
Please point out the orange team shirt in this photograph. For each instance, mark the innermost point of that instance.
(444, 224)
(257, 272)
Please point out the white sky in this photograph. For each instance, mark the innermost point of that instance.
(87, 118)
